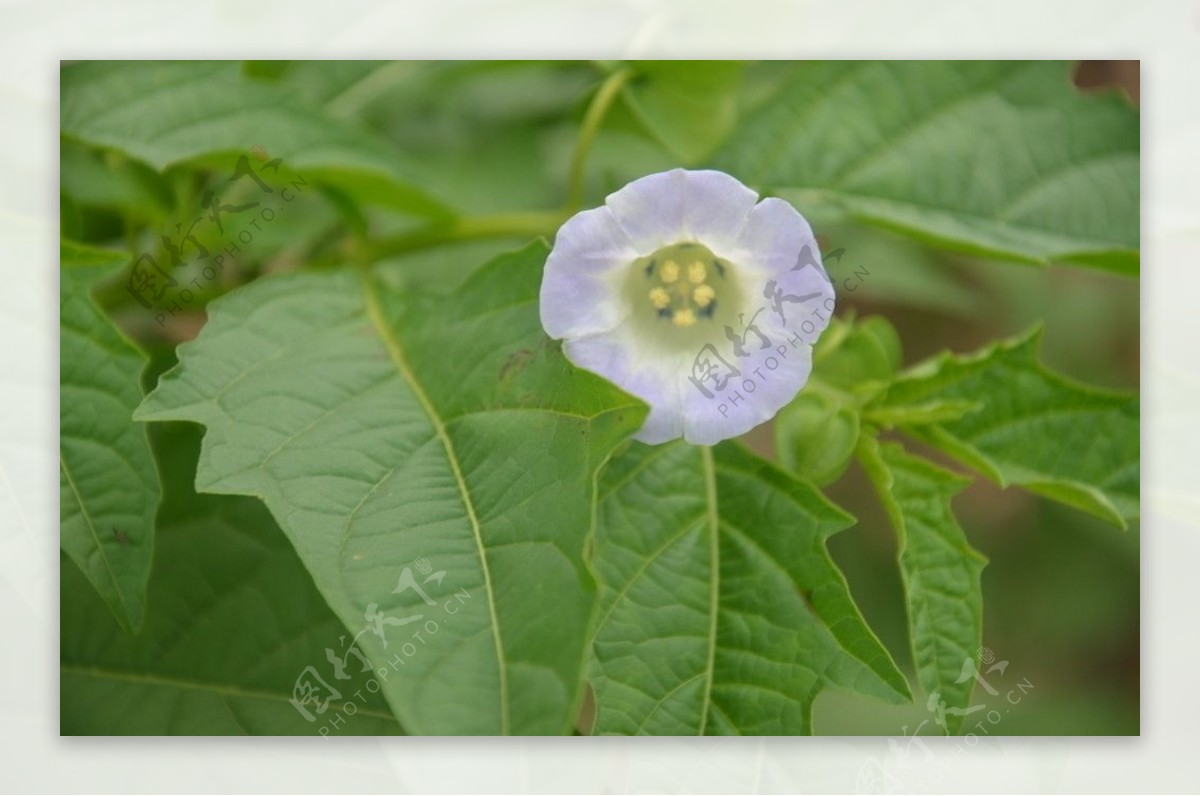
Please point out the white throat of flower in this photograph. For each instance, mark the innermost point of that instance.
(681, 294)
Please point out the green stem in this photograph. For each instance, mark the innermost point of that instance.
(500, 225)
(596, 112)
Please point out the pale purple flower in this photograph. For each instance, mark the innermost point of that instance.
(688, 292)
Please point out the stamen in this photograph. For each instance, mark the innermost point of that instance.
(684, 318)
(685, 284)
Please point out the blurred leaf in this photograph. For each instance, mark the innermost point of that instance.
(618, 157)
(233, 621)
(941, 574)
(485, 132)
(428, 105)
(492, 93)
(442, 269)
(688, 105)
(721, 611)
(271, 70)
(1066, 441)
(168, 113)
(816, 437)
(1092, 319)
(1005, 159)
(71, 223)
(501, 170)
(330, 84)
(112, 181)
(383, 430)
(108, 488)
(880, 267)
(762, 81)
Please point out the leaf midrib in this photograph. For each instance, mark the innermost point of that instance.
(1076, 242)
(399, 359)
(973, 92)
(127, 619)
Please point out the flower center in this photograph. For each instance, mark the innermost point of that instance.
(682, 292)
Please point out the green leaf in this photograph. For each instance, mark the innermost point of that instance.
(690, 106)
(108, 488)
(383, 429)
(816, 437)
(721, 611)
(232, 624)
(1003, 159)
(941, 573)
(1066, 441)
(168, 113)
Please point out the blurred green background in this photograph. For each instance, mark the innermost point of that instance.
(1062, 589)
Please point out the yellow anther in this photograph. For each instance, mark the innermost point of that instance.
(684, 318)
(660, 298)
(703, 295)
(669, 272)
(697, 272)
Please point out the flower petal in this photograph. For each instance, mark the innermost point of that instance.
(774, 236)
(615, 357)
(578, 296)
(768, 380)
(673, 206)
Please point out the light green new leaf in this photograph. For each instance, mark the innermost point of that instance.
(233, 624)
(721, 610)
(690, 106)
(854, 361)
(1005, 159)
(815, 436)
(1072, 443)
(108, 488)
(171, 112)
(857, 357)
(425, 457)
(941, 573)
